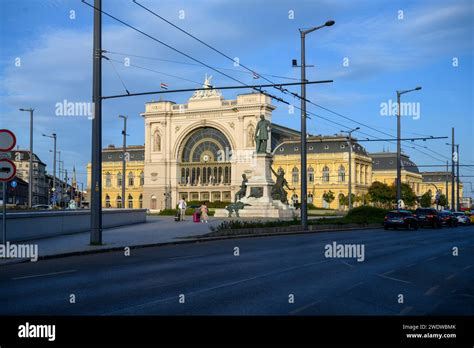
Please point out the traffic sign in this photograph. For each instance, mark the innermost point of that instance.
(13, 184)
(7, 170)
(7, 140)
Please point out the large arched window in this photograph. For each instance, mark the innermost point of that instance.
(295, 175)
(131, 179)
(325, 174)
(153, 202)
(130, 201)
(140, 201)
(311, 174)
(119, 179)
(107, 201)
(142, 178)
(342, 174)
(205, 145)
(156, 142)
(108, 180)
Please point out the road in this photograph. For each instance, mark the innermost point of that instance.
(419, 265)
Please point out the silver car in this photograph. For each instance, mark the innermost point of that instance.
(463, 219)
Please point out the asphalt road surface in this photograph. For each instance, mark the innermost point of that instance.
(268, 273)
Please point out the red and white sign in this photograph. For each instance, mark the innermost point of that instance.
(7, 140)
(7, 170)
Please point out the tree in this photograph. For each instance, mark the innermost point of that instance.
(425, 200)
(442, 200)
(328, 196)
(408, 196)
(380, 194)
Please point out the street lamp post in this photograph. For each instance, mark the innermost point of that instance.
(124, 150)
(349, 142)
(455, 204)
(30, 184)
(304, 179)
(53, 136)
(458, 205)
(399, 163)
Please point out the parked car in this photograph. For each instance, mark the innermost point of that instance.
(42, 206)
(471, 216)
(463, 219)
(448, 218)
(428, 217)
(402, 218)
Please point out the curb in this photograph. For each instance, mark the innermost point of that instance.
(190, 241)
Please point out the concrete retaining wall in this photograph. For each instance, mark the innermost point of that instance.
(33, 225)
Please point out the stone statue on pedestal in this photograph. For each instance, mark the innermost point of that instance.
(278, 190)
(262, 134)
(243, 189)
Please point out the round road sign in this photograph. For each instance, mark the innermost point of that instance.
(7, 170)
(7, 140)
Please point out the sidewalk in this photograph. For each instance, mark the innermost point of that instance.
(157, 230)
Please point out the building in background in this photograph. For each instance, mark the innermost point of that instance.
(328, 169)
(438, 181)
(21, 158)
(17, 196)
(112, 177)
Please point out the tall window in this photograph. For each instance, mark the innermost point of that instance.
(295, 175)
(157, 142)
(130, 179)
(311, 174)
(342, 174)
(140, 201)
(107, 201)
(108, 180)
(142, 178)
(326, 174)
(130, 201)
(119, 202)
(119, 179)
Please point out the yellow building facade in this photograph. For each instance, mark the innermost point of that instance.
(112, 177)
(328, 169)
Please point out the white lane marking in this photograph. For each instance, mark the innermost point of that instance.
(302, 308)
(355, 285)
(389, 272)
(347, 264)
(391, 278)
(45, 275)
(431, 290)
(450, 277)
(432, 258)
(405, 310)
(215, 287)
(184, 257)
(467, 267)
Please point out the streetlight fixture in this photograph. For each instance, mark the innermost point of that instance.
(30, 183)
(124, 149)
(349, 142)
(304, 179)
(399, 163)
(53, 136)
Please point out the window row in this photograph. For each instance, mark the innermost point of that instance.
(130, 179)
(129, 201)
(325, 177)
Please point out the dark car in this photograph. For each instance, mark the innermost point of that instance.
(402, 218)
(448, 218)
(428, 217)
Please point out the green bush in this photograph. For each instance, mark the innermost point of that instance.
(365, 214)
(216, 204)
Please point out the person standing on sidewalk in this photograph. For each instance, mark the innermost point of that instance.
(182, 207)
(204, 213)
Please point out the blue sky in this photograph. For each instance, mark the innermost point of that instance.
(385, 53)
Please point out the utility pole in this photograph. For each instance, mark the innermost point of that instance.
(452, 170)
(53, 136)
(124, 150)
(304, 179)
(458, 207)
(30, 184)
(96, 170)
(399, 149)
(447, 193)
(349, 142)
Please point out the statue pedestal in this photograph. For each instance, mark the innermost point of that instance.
(258, 198)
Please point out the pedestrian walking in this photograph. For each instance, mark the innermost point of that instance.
(182, 208)
(204, 213)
